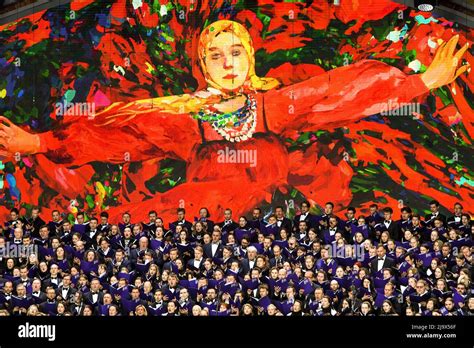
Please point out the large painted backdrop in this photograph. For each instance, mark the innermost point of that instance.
(100, 52)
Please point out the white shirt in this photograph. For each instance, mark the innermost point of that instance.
(95, 297)
(197, 263)
(251, 264)
(64, 292)
(332, 231)
(380, 263)
(387, 223)
(303, 216)
(214, 248)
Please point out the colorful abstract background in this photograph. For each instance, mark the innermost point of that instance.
(122, 50)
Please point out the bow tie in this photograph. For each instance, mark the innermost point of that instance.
(380, 259)
(94, 293)
(35, 292)
(65, 289)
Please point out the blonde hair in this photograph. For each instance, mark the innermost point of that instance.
(214, 29)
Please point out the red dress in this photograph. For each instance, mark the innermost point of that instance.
(330, 100)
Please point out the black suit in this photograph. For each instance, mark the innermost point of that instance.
(393, 229)
(388, 263)
(226, 227)
(39, 297)
(70, 293)
(190, 265)
(429, 219)
(124, 263)
(208, 250)
(286, 224)
(186, 224)
(90, 239)
(77, 309)
(35, 224)
(136, 254)
(245, 266)
(308, 219)
(49, 282)
(274, 262)
(103, 256)
(89, 300)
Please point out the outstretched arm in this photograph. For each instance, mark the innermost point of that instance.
(353, 92)
(143, 129)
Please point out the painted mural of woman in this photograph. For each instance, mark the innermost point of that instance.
(239, 113)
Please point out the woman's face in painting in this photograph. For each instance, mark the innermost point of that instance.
(227, 61)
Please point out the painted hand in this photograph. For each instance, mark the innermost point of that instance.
(14, 140)
(445, 66)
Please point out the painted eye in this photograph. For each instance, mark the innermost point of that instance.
(215, 56)
(236, 53)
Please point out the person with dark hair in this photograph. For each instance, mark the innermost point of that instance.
(381, 262)
(11, 224)
(304, 215)
(282, 220)
(34, 223)
(405, 221)
(89, 236)
(150, 226)
(323, 220)
(257, 220)
(388, 224)
(351, 223)
(104, 226)
(435, 213)
(80, 224)
(228, 224)
(181, 221)
(55, 224)
(267, 271)
(204, 218)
